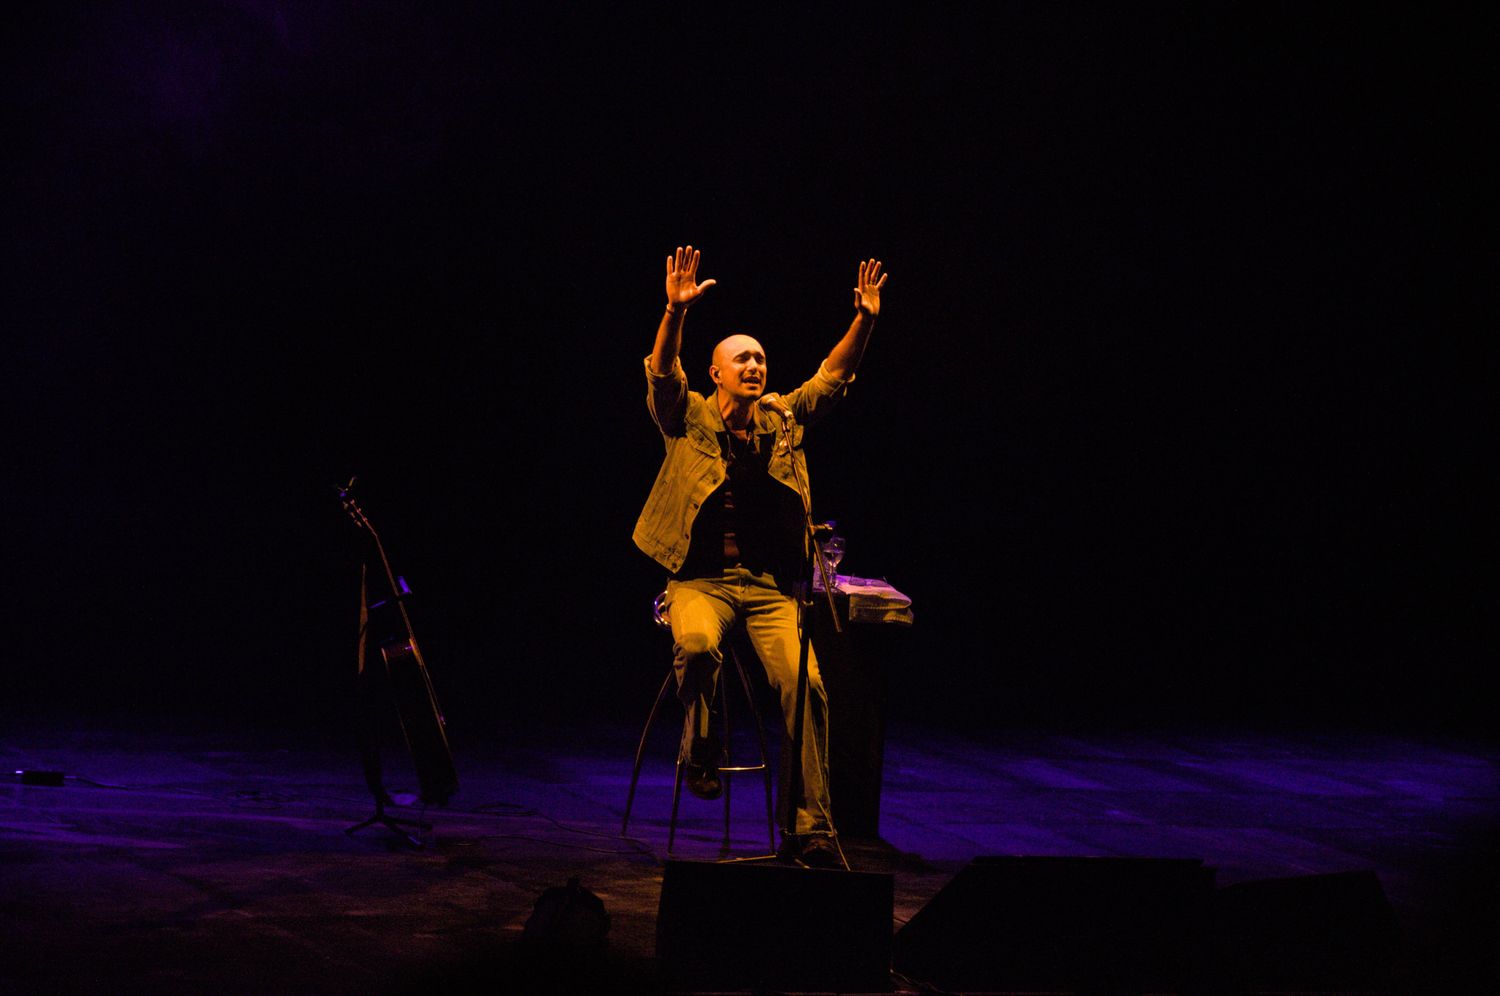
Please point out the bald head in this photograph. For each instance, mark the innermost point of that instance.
(734, 345)
(739, 369)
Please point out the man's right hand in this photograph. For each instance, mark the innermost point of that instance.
(682, 278)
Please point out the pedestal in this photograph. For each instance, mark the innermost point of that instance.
(856, 665)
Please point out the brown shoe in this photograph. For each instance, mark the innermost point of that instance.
(820, 851)
(701, 769)
(817, 850)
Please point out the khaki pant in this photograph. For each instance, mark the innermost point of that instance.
(702, 611)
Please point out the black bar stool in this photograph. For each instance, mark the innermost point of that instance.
(659, 614)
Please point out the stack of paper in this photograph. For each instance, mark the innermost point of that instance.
(872, 600)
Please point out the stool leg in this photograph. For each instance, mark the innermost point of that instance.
(640, 750)
(718, 697)
(727, 776)
(765, 762)
(676, 798)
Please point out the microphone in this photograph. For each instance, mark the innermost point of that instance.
(774, 402)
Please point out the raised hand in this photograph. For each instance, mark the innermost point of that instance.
(867, 289)
(682, 278)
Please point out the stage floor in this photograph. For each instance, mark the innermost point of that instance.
(179, 860)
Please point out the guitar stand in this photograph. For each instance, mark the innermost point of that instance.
(392, 823)
(403, 675)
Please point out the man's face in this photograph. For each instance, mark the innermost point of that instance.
(739, 367)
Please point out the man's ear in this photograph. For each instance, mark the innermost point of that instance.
(713, 373)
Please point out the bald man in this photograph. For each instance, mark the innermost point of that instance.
(727, 519)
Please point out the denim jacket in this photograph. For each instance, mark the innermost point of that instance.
(693, 432)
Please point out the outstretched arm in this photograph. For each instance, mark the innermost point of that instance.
(845, 356)
(682, 290)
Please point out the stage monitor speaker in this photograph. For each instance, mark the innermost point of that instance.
(1076, 924)
(1334, 931)
(758, 927)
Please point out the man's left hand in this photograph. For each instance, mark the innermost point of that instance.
(867, 290)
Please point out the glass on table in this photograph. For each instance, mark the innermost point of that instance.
(833, 552)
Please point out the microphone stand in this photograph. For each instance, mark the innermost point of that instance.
(814, 534)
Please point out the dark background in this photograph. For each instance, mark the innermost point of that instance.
(1167, 419)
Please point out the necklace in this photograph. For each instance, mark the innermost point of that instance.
(739, 442)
